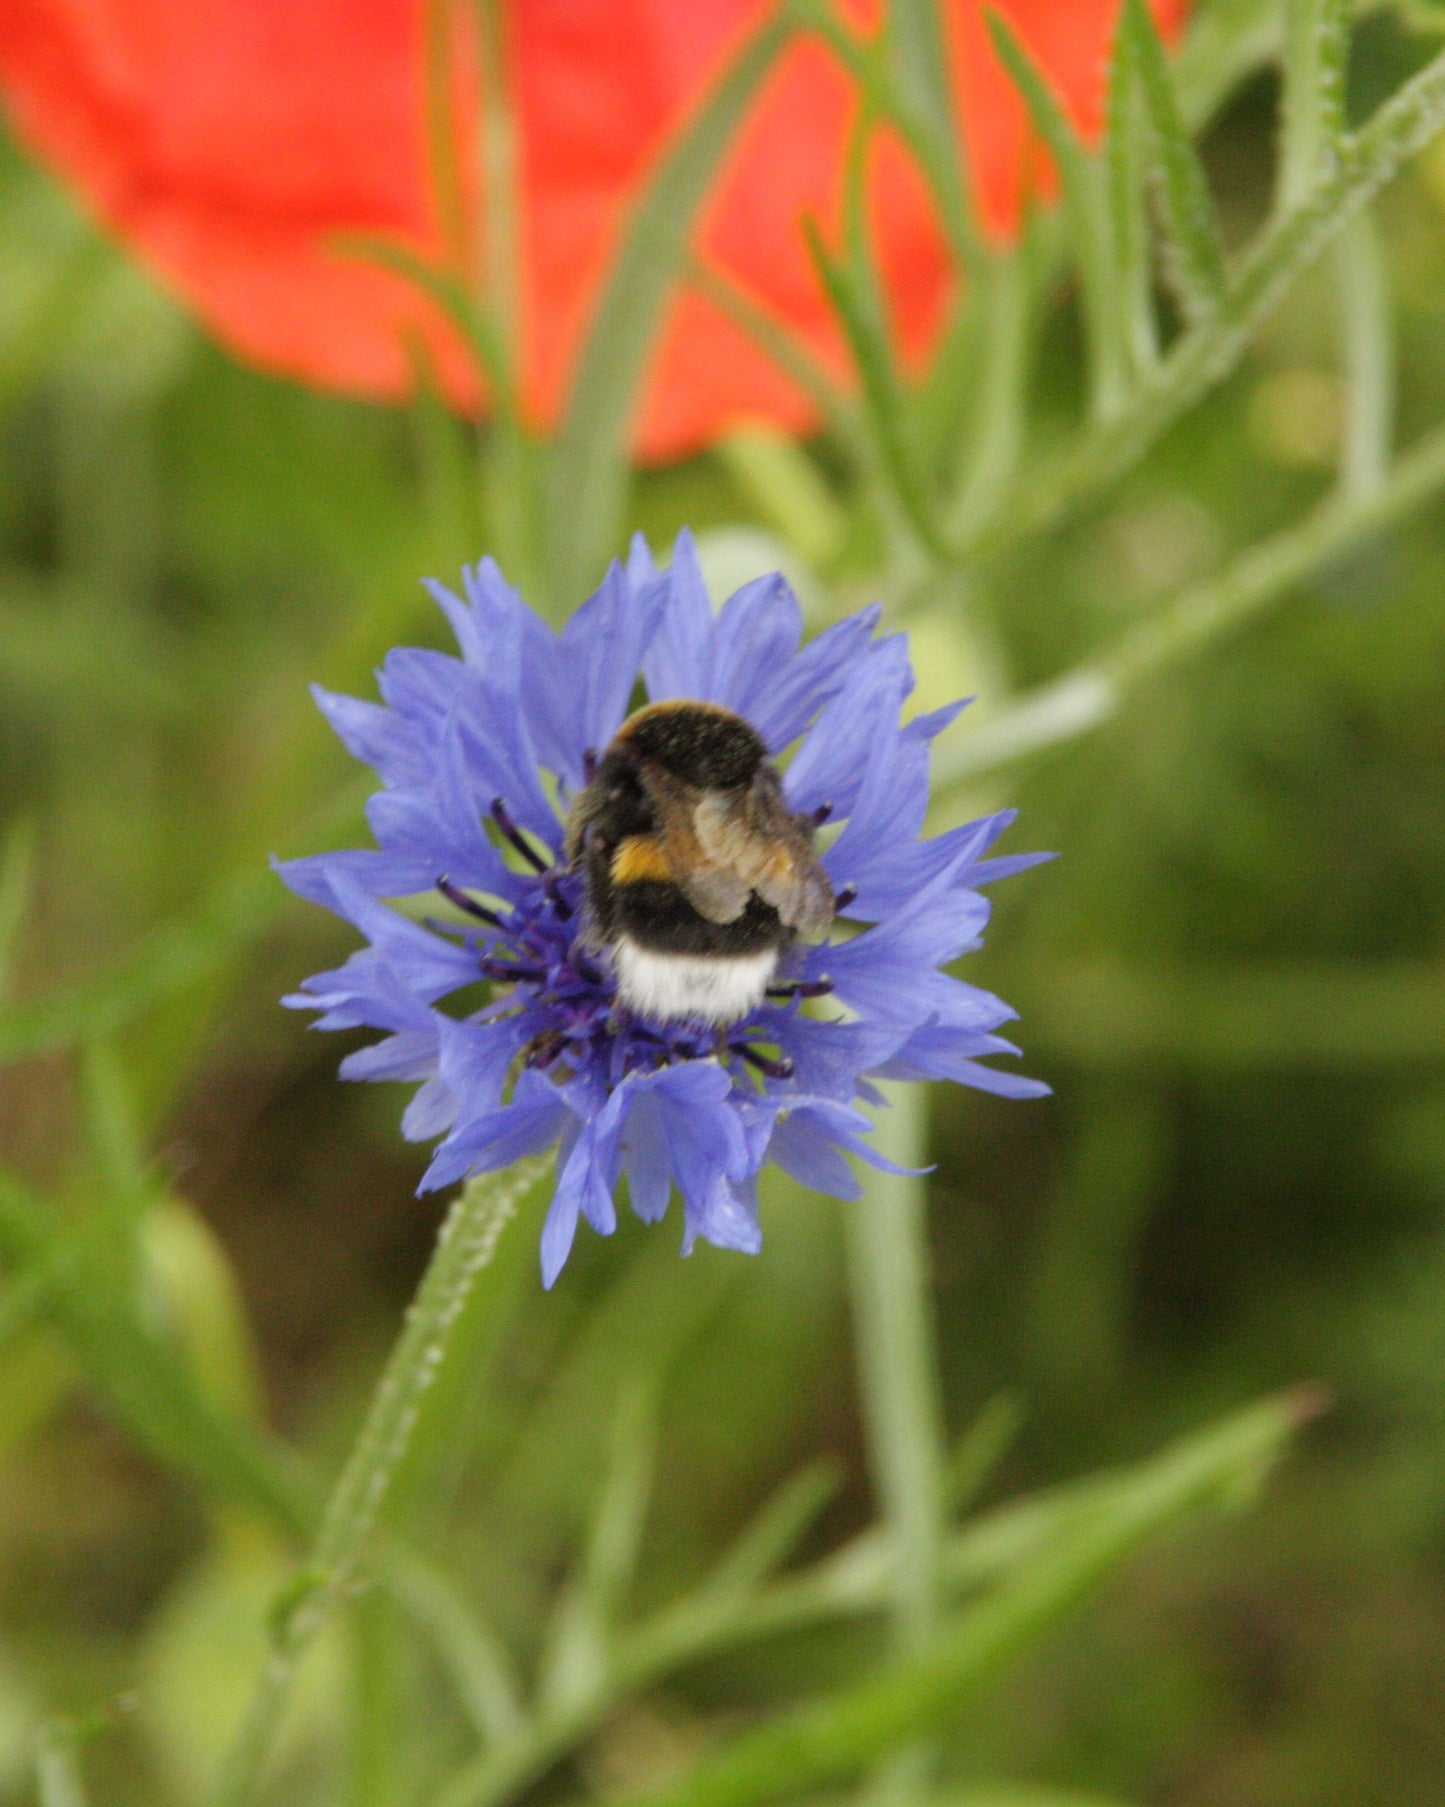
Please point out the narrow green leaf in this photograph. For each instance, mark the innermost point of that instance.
(832, 1739)
(919, 43)
(774, 1533)
(1312, 110)
(1086, 208)
(589, 465)
(885, 412)
(1091, 694)
(1367, 357)
(476, 1662)
(57, 1767)
(1204, 356)
(1194, 258)
(897, 1361)
(579, 1649)
(781, 480)
(980, 1449)
(478, 330)
(17, 862)
(1126, 167)
(994, 442)
(466, 1244)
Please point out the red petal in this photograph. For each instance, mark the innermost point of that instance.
(230, 143)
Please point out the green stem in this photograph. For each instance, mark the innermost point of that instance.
(888, 1277)
(893, 1324)
(1092, 693)
(825, 1741)
(466, 1244)
(1208, 352)
(1367, 356)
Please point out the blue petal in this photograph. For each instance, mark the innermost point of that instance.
(756, 634)
(678, 660)
(531, 1122)
(378, 874)
(726, 1215)
(829, 765)
(376, 736)
(787, 699)
(597, 663)
(410, 1054)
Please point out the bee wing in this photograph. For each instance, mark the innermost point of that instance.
(713, 887)
(722, 846)
(756, 838)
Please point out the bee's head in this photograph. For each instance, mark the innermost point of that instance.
(700, 744)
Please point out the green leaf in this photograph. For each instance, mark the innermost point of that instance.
(1126, 170)
(774, 1533)
(169, 960)
(885, 412)
(1194, 254)
(57, 1767)
(1091, 694)
(140, 1375)
(467, 1242)
(1312, 111)
(1367, 357)
(980, 1449)
(1205, 355)
(830, 1740)
(588, 477)
(1086, 207)
(994, 442)
(17, 863)
(578, 1655)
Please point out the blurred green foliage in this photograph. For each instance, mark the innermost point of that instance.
(1235, 981)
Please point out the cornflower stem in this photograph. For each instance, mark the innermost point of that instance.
(1093, 692)
(893, 1325)
(467, 1243)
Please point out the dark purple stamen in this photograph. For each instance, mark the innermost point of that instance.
(589, 765)
(454, 895)
(781, 1068)
(801, 988)
(502, 816)
(821, 814)
(510, 971)
(553, 888)
(841, 899)
(582, 962)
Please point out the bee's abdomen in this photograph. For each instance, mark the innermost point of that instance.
(655, 914)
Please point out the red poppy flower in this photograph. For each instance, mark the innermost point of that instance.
(231, 143)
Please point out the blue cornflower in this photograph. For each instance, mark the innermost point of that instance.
(479, 757)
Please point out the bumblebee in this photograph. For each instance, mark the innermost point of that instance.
(697, 875)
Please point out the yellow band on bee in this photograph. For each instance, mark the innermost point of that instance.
(640, 858)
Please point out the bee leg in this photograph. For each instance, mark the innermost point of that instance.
(781, 1068)
(801, 988)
